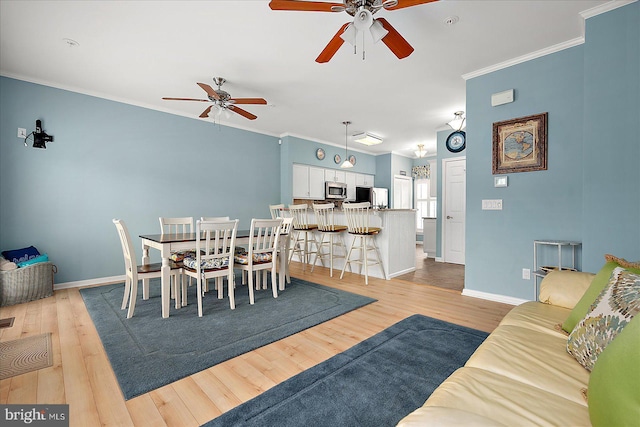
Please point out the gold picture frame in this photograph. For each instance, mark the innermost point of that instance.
(520, 145)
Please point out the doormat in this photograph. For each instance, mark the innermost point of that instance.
(24, 355)
(6, 323)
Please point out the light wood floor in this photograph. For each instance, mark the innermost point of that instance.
(81, 375)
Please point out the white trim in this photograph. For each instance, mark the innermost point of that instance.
(400, 273)
(89, 282)
(493, 297)
(606, 7)
(586, 14)
(524, 58)
(439, 259)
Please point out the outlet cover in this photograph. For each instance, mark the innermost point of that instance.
(22, 133)
(526, 274)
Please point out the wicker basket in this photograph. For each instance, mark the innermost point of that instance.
(26, 283)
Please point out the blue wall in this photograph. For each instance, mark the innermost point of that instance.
(113, 160)
(592, 179)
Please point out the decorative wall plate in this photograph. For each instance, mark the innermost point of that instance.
(337, 159)
(352, 159)
(320, 154)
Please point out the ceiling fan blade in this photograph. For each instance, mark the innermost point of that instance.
(394, 41)
(306, 6)
(205, 113)
(242, 112)
(333, 46)
(408, 3)
(186, 99)
(248, 101)
(212, 93)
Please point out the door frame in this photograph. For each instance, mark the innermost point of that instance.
(443, 239)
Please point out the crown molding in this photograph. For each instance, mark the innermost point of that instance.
(603, 8)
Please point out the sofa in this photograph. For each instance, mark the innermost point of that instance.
(523, 373)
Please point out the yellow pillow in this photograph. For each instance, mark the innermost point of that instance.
(564, 288)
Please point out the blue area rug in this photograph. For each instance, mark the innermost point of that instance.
(147, 351)
(375, 383)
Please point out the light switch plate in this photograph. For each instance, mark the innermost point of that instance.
(492, 204)
(500, 181)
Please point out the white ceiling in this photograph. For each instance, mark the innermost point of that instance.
(139, 51)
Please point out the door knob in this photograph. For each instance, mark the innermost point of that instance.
(449, 217)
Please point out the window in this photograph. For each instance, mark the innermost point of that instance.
(425, 204)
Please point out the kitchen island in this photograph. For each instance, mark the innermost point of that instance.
(396, 242)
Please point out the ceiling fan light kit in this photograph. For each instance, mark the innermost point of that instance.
(367, 139)
(222, 101)
(363, 21)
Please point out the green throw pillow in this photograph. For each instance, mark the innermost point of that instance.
(614, 399)
(597, 285)
(617, 304)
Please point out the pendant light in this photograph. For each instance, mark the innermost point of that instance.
(346, 163)
(458, 121)
(421, 152)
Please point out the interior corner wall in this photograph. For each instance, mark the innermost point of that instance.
(611, 208)
(536, 205)
(114, 160)
(591, 189)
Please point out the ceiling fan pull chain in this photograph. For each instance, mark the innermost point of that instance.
(363, 49)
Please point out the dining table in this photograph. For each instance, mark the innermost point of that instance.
(171, 242)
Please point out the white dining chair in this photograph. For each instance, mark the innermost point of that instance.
(215, 244)
(332, 231)
(363, 238)
(262, 253)
(176, 225)
(135, 272)
(276, 211)
(214, 218)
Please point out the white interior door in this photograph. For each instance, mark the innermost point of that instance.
(454, 209)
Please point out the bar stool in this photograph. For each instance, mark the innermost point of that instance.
(363, 237)
(327, 228)
(303, 234)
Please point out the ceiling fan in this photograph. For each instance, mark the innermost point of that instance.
(222, 100)
(362, 12)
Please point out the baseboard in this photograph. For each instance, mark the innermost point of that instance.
(493, 297)
(439, 259)
(89, 282)
(400, 273)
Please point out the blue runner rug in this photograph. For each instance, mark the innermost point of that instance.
(375, 383)
(147, 351)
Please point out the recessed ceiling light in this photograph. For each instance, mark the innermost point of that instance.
(452, 20)
(71, 42)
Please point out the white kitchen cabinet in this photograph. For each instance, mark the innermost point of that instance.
(334, 175)
(308, 182)
(364, 180)
(350, 179)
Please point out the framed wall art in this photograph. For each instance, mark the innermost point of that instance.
(520, 145)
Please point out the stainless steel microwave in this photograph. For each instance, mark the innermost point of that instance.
(335, 190)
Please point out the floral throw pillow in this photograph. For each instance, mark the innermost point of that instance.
(616, 305)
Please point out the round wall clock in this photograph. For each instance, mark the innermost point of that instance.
(457, 141)
(352, 159)
(337, 159)
(320, 154)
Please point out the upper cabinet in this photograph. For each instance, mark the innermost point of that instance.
(308, 182)
(363, 180)
(334, 175)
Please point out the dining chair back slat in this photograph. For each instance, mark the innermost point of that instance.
(176, 225)
(276, 211)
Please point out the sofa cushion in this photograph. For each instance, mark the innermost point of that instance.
(535, 358)
(614, 399)
(597, 284)
(506, 400)
(564, 288)
(436, 416)
(616, 305)
(539, 317)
